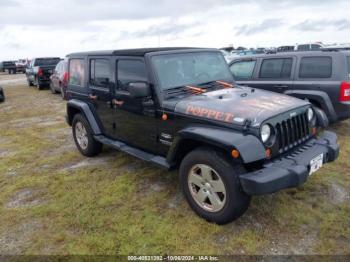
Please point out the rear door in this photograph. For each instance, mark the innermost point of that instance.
(321, 74)
(100, 82)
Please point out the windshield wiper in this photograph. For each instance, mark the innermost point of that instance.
(185, 89)
(214, 84)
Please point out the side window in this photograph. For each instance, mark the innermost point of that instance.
(315, 67)
(315, 47)
(130, 71)
(278, 68)
(243, 69)
(76, 72)
(100, 72)
(303, 47)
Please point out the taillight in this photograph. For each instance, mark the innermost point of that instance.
(344, 92)
(40, 72)
(65, 78)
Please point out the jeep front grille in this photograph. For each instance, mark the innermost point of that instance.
(292, 132)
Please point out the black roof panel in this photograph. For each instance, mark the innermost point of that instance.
(133, 52)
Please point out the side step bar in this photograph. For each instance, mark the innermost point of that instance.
(158, 160)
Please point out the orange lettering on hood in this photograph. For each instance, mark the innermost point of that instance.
(210, 113)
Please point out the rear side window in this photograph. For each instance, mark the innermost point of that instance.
(100, 72)
(348, 60)
(278, 68)
(76, 72)
(315, 47)
(315, 67)
(243, 69)
(130, 71)
(303, 47)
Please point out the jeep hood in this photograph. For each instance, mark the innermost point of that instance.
(236, 105)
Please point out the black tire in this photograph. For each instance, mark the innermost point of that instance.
(93, 147)
(38, 85)
(236, 202)
(30, 83)
(2, 95)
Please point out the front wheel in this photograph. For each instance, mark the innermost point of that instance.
(83, 137)
(210, 183)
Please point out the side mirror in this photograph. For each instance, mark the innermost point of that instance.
(139, 89)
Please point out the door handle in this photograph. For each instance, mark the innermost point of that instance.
(93, 97)
(117, 102)
(281, 86)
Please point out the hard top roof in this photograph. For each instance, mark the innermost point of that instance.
(135, 52)
(297, 53)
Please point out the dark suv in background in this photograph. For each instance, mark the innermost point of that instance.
(321, 77)
(9, 66)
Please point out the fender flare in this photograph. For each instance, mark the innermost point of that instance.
(250, 147)
(86, 111)
(321, 97)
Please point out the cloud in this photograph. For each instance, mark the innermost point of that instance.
(318, 25)
(251, 29)
(9, 3)
(171, 27)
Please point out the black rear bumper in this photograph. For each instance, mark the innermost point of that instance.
(290, 170)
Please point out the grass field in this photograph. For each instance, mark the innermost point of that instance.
(55, 201)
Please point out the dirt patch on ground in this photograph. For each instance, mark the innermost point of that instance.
(27, 197)
(17, 79)
(89, 162)
(338, 194)
(15, 240)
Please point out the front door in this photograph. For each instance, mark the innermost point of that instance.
(100, 83)
(275, 74)
(134, 117)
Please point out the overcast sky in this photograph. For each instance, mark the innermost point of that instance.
(56, 28)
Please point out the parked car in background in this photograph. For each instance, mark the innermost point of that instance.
(2, 95)
(39, 71)
(228, 55)
(59, 79)
(180, 108)
(21, 65)
(323, 78)
(286, 48)
(9, 66)
(336, 47)
(308, 47)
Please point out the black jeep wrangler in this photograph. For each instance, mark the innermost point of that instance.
(179, 107)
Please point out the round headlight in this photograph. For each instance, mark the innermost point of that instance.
(310, 114)
(265, 133)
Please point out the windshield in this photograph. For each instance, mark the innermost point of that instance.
(177, 70)
(46, 61)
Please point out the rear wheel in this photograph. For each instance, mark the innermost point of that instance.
(211, 186)
(83, 137)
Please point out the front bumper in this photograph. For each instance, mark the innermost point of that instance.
(290, 170)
